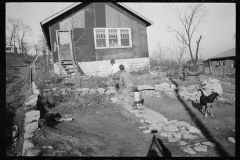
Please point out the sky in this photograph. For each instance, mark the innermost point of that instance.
(218, 28)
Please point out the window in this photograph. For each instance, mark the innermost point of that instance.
(233, 64)
(100, 38)
(112, 38)
(222, 63)
(124, 37)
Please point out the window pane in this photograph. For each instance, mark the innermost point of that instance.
(124, 33)
(113, 42)
(125, 42)
(101, 42)
(112, 33)
(100, 34)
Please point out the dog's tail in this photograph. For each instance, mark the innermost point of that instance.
(201, 91)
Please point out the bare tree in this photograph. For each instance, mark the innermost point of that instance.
(23, 31)
(190, 19)
(36, 48)
(12, 28)
(177, 51)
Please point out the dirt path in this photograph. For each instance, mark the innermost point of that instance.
(16, 92)
(215, 129)
(94, 131)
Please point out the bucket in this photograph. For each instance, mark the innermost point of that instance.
(137, 96)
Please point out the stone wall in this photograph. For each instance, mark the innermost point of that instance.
(31, 124)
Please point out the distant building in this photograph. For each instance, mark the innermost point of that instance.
(11, 49)
(222, 63)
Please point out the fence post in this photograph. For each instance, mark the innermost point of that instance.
(30, 76)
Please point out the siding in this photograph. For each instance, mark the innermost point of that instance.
(118, 18)
(220, 69)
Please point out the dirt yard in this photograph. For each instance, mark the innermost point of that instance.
(110, 130)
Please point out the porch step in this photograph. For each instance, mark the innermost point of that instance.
(66, 62)
(70, 70)
(68, 66)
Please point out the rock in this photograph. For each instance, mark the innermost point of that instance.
(31, 127)
(28, 135)
(32, 102)
(209, 144)
(188, 150)
(166, 134)
(145, 87)
(27, 144)
(15, 131)
(110, 91)
(197, 144)
(189, 136)
(147, 131)
(171, 128)
(36, 91)
(93, 91)
(170, 122)
(221, 99)
(155, 127)
(101, 90)
(50, 147)
(182, 143)
(231, 139)
(173, 86)
(142, 127)
(83, 93)
(66, 119)
(200, 148)
(173, 139)
(191, 88)
(177, 135)
(85, 89)
(184, 131)
(212, 85)
(54, 89)
(182, 124)
(78, 90)
(33, 152)
(32, 116)
(114, 100)
(194, 130)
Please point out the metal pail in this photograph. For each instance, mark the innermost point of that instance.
(137, 96)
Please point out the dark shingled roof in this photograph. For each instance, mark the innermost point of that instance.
(231, 53)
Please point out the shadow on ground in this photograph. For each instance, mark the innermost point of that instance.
(160, 150)
(219, 148)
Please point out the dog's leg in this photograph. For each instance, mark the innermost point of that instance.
(211, 107)
(206, 106)
(202, 109)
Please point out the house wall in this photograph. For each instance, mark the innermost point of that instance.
(118, 18)
(220, 70)
(101, 15)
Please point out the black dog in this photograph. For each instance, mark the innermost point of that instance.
(205, 100)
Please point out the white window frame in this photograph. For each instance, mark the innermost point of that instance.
(107, 38)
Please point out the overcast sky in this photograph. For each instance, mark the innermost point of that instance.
(218, 28)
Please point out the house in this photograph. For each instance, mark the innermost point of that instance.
(11, 49)
(86, 36)
(222, 63)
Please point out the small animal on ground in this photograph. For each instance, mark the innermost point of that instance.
(205, 100)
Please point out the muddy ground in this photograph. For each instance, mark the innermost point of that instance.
(112, 131)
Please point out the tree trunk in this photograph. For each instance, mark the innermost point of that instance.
(210, 67)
